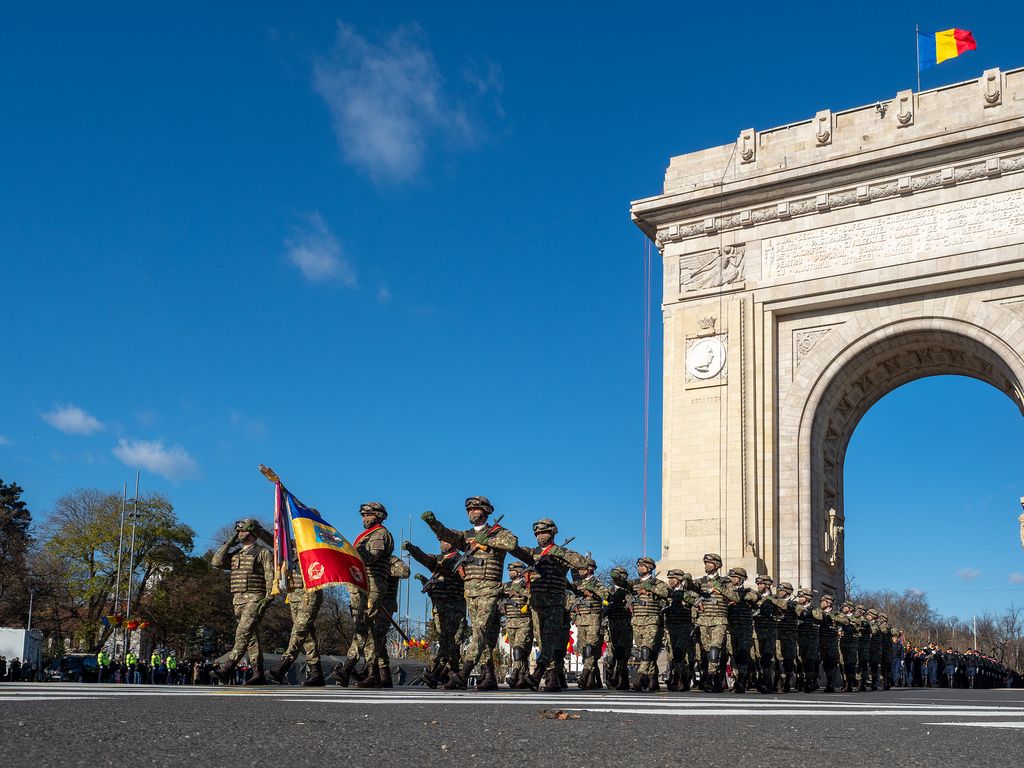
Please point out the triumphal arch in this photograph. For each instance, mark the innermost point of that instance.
(809, 270)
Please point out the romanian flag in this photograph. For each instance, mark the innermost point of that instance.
(303, 537)
(948, 44)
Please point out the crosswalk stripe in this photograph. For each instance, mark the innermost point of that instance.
(985, 725)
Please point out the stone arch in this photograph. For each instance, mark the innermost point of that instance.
(845, 374)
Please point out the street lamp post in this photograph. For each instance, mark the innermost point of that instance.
(120, 548)
(131, 562)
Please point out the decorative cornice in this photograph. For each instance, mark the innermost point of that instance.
(859, 195)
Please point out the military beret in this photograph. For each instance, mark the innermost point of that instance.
(516, 564)
(786, 586)
(545, 524)
(649, 562)
(374, 508)
(676, 573)
(712, 557)
(809, 594)
(479, 502)
(737, 571)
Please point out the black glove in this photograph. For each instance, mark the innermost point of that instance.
(428, 517)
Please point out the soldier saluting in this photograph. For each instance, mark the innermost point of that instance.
(486, 545)
(252, 581)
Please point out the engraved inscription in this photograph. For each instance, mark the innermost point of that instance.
(898, 237)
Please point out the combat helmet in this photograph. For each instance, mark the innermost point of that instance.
(785, 586)
(545, 525)
(374, 508)
(619, 572)
(809, 594)
(516, 565)
(739, 571)
(713, 557)
(676, 573)
(480, 502)
(764, 578)
(248, 525)
(649, 562)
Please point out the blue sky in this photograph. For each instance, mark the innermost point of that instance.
(386, 249)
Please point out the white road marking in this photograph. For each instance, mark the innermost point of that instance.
(985, 725)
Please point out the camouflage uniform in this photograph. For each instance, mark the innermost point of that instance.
(547, 584)
(649, 596)
(252, 580)
(886, 631)
(849, 645)
(766, 634)
(787, 649)
(863, 644)
(828, 641)
(679, 627)
(741, 628)
(397, 571)
(713, 620)
(375, 546)
(808, 639)
(515, 603)
(483, 586)
(620, 632)
(587, 610)
(448, 609)
(304, 605)
(874, 647)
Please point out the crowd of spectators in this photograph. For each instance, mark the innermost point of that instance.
(930, 666)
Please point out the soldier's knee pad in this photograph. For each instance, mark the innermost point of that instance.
(518, 653)
(645, 654)
(714, 655)
(588, 651)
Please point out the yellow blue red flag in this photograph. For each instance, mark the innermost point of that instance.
(304, 540)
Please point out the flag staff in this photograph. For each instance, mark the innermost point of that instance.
(917, 47)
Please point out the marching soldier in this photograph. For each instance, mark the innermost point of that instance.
(448, 608)
(808, 638)
(741, 628)
(252, 580)
(886, 631)
(849, 645)
(649, 596)
(828, 641)
(515, 603)
(788, 631)
(620, 632)
(717, 593)
(874, 647)
(375, 546)
(679, 627)
(483, 586)
(547, 585)
(863, 628)
(397, 570)
(305, 606)
(587, 610)
(766, 634)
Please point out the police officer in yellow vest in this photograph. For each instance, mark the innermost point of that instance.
(131, 663)
(103, 659)
(155, 660)
(252, 580)
(172, 669)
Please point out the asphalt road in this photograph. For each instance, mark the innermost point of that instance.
(44, 724)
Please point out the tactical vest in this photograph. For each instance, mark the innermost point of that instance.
(847, 624)
(788, 623)
(589, 606)
(740, 613)
(547, 582)
(295, 582)
(714, 605)
(828, 631)
(617, 609)
(448, 587)
(678, 611)
(649, 604)
(515, 599)
(247, 572)
(808, 623)
(766, 617)
(484, 564)
(379, 571)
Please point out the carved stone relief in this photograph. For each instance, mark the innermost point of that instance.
(804, 342)
(711, 269)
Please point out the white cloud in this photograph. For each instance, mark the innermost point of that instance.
(1017, 578)
(968, 574)
(4, 440)
(315, 250)
(172, 462)
(72, 420)
(387, 101)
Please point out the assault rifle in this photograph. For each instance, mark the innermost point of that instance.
(541, 557)
(478, 542)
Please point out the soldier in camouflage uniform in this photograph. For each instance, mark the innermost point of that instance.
(716, 593)
(482, 574)
(886, 631)
(679, 627)
(741, 628)
(547, 584)
(515, 603)
(649, 596)
(305, 605)
(587, 610)
(863, 627)
(828, 641)
(620, 632)
(397, 571)
(766, 634)
(787, 648)
(375, 546)
(252, 581)
(808, 638)
(448, 608)
(849, 645)
(874, 647)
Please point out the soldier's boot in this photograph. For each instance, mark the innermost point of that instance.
(532, 680)
(551, 682)
(684, 679)
(583, 683)
(562, 682)
(457, 679)
(315, 677)
(225, 672)
(595, 678)
(610, 676)
(343, 672)
(257, 677)
(277, 675)
(874, 677)
(372, 679)
(488, 680)
(672, 684)
(385, 677)
(655, 684)
(432, 674)
(514, 676)
(640, 682)
(740, 683)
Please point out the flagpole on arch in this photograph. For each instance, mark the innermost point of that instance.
(917, 47)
